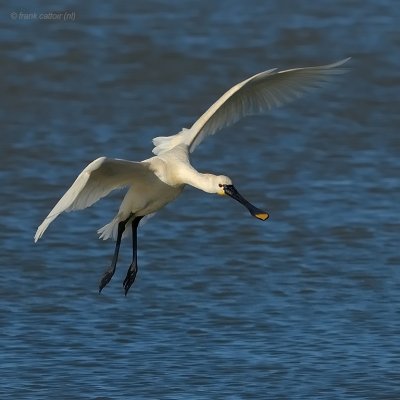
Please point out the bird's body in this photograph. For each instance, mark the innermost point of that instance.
(155, 182)
(145, 196)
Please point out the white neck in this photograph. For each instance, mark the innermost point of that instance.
(204, 182)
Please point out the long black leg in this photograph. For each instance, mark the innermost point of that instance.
(132, 271)
(110, 272)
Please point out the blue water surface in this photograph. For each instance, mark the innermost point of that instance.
(302, 306)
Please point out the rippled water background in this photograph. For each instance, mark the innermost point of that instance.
(305, 305)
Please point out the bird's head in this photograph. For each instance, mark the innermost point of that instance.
(220, 182)
(224, 187)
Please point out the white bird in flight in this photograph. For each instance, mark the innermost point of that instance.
(155, 182)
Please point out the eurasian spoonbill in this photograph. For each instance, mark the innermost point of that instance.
(154, 182)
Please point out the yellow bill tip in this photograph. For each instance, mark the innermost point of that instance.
(262, 216)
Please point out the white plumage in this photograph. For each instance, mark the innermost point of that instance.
(154, 182)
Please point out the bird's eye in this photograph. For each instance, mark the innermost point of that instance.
(220, 185)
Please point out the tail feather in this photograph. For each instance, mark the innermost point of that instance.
(110, 230)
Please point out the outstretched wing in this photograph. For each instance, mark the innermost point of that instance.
(97, 180)
(255, 95)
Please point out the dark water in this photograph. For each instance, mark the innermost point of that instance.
(305, 305)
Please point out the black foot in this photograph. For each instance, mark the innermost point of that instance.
(106, 278)
(130, 277)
